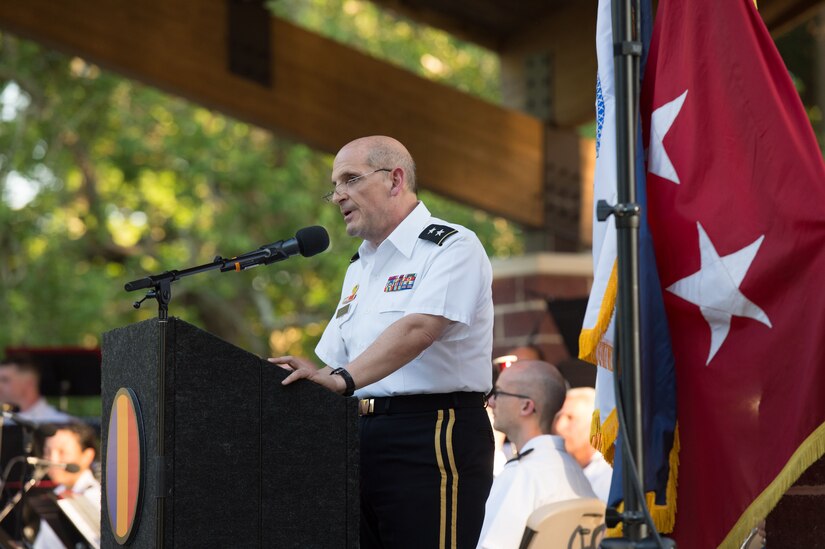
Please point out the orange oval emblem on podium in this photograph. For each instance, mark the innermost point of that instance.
(124, 464)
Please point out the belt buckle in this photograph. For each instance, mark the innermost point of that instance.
(366, 406)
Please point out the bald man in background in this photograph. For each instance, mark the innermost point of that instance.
(525, 401)
(20, 386)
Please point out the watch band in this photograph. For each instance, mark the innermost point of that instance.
(347, 379)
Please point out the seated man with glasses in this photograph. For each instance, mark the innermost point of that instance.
(411, 337)
(525, 401)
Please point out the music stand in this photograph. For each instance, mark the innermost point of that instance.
(74, 529)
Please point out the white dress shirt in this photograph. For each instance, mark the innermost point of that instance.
(43, 412)
(545, 473)
(600, 475)
(407, 274)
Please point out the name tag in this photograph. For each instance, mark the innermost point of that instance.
(342, 311)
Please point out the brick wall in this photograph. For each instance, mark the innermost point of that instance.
(521, 287)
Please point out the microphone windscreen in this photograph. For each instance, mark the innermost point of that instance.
(72, 468)
(312, 240)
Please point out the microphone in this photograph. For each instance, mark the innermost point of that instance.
(308, 241)
(69, 467)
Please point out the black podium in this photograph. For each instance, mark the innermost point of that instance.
(249, 463)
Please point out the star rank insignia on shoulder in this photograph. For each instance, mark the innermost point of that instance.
(437, 233)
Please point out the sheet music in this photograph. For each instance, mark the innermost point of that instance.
(84, 515)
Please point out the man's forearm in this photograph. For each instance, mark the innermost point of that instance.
(401, 342)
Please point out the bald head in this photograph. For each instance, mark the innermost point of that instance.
(544, 384)
(374, 181)
(586, 395)
(382, 151)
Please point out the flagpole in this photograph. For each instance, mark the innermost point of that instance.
(627, 52)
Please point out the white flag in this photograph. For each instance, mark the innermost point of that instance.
(596, 340)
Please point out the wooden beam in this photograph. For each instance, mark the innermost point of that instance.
(567, 38)
(782, 15)
(322, 93)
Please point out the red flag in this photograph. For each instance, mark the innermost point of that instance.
(736, 192)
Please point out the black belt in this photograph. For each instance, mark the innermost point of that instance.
(409, 404)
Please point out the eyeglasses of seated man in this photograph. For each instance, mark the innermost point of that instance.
(496, 392)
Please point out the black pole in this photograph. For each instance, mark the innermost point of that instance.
(163, 292)
(627, 55)
(627, 50)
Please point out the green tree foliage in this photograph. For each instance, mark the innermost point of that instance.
(104, 180)
(803, 50)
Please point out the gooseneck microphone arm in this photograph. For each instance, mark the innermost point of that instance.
(307, 242)
(248, 259)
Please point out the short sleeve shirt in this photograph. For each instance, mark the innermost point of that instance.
(427, 266)
(544, 474)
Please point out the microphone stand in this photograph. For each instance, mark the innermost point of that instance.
(160, 284)
(28, 428)
(38, 475)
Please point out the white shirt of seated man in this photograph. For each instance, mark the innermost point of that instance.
(573, 424)
(70, 445)
(525, 401)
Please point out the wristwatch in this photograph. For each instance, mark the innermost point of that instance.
(347, 379)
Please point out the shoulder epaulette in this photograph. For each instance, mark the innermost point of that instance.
(437, 233)
(354, 258)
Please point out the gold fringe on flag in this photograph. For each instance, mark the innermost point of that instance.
(664, 516)
(603, 435)
(811, 450)
(589, 338)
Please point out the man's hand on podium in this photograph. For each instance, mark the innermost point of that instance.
(302, 368)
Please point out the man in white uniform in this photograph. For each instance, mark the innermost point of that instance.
(73, 443)
(573, 424)
(525, 401)
(412, 337)
(20, 385)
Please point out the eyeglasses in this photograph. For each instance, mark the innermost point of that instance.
(329, 196)
(496, 392)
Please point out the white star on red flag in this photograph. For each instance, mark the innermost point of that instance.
(660, 122)
(715, 289)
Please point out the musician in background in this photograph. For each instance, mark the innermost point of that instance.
(73, 443)
(20, 386)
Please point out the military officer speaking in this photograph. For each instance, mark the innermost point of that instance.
(411, 337)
